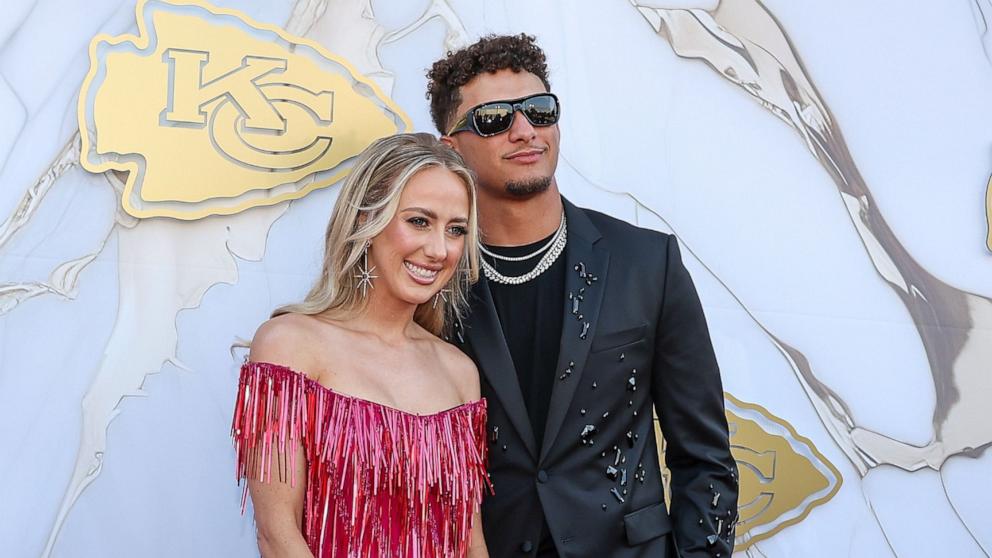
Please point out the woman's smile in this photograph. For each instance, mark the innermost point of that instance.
(422, 274)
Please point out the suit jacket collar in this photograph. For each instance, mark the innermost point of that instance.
(585, 274)
(485, 337)
(587, 260)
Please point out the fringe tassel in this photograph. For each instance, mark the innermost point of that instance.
(380, 481)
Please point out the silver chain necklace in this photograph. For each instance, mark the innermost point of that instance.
(557, 246)
(495, 256)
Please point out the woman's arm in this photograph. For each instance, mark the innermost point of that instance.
(279, 512)
(278, 501)
(477, 546)
(469, 385)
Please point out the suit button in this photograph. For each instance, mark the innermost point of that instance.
(527, 546)
(542, 476)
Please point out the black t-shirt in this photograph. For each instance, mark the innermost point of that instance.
(531, 316)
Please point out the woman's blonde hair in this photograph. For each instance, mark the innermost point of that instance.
(367, 203)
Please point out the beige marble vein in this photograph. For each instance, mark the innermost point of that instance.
(742, 41)
(982, 10)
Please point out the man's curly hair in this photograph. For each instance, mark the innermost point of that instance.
(490, 54)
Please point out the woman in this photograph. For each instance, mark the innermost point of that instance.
(360, 431)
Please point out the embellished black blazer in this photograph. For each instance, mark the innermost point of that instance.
(634, 339)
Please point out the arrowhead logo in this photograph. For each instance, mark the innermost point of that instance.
(783, 476)
(211, 113)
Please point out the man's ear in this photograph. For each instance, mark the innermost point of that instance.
(450, 142)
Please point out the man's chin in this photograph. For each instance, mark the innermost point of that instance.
(528, 187)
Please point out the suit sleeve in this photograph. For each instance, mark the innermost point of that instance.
(688, 396)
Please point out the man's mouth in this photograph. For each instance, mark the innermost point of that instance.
(529, 155)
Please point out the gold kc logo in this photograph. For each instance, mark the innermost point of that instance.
(212, 113)
(269, 126)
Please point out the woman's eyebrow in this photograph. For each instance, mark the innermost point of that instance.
(425, 211)
(432, 214)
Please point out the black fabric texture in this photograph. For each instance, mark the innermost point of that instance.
(584, 468)
(531, 317)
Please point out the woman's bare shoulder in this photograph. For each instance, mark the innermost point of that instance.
(462, 369)
(289, 340)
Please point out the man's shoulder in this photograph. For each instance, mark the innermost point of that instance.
(623, 235)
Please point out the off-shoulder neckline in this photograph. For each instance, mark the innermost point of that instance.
(307, 379)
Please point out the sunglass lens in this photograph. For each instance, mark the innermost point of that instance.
(497, 117)
(541, 110)
(493, 118)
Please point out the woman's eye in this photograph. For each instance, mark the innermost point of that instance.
(457, 230)
(417, 221)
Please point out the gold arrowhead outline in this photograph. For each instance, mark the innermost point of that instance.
(141, 42)
(816, 452)
(744, 539)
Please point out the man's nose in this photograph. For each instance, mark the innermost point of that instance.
(521, 129)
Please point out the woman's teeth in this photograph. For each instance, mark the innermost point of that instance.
(420, 271)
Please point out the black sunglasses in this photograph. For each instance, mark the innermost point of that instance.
(496, 117)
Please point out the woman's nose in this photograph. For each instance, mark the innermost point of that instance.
(436, 248)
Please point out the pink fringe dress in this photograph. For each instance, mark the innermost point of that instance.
(379, 481)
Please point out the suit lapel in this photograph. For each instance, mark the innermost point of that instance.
(585, 278)
(485, 336)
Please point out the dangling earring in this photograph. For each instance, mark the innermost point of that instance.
(440, 296)
(365, 275)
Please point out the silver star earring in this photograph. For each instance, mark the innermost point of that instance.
(440, 296)
(365, 274)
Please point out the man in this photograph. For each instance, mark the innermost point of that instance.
(582, 325)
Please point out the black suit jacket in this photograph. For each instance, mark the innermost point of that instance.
(634, 338)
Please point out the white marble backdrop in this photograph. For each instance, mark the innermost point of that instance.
(116, 370)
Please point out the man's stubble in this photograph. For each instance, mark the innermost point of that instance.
(527, 188)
